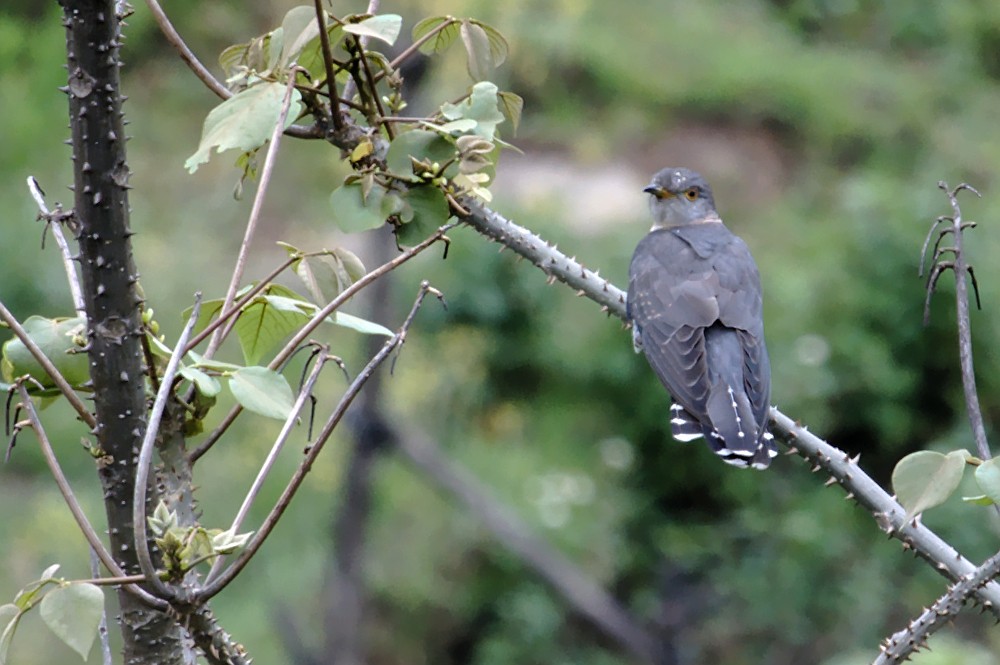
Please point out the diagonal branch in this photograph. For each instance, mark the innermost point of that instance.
(887, 512)
(900, 646)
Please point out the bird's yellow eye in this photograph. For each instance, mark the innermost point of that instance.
(691, 193)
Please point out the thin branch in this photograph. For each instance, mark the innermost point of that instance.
(102, 626)
(304, 395)
(258, 203)
(74, 506)
(331, 81)
(167, 28)
(146, 455)
(351, 84)
(393, 343)
(225, 315)
(900, 646)
(61, 383)
(412, 48)
(362, 43)
(960, 266)
(54, 220)
(887, 512)
(316, 321)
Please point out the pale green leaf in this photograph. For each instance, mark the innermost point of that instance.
(10, 615)
(925, 479)
(482, 106)
(512, 105)
(479, 59)
(384, 26)
(353, 212)
(73, 613)
(262, 391)
(325, 276)
(299, 27)
(421, 145)
(49, 573)
(988, 478)
(499, 48)
(440, 41)
(212, 364)
(360, 325)
(61, 340)
(980, 500)
(244, 121)
(206, 384)
(268, 319)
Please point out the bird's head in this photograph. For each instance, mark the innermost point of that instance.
(678, 197)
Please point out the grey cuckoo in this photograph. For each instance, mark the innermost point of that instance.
(694, 300)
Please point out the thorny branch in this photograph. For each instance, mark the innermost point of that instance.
(954, 226)
(146, 456)
(900, 646)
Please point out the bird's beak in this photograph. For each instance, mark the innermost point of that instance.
(658, 192)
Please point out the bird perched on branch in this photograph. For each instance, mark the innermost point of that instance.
(694, 300)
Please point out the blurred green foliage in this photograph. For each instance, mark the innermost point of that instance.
(824, 126)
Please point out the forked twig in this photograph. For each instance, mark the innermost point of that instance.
(54, 220)
(958, 264)
(316, 321)
(255, 543)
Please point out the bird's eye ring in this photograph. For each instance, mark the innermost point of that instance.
(691, 193)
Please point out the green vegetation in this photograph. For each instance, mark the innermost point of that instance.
(824, 127)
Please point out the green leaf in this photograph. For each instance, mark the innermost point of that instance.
(430, 211)
(442, 40)
(481, 105)
(360, 325)
(353, 212)
(269, 318)
(499, 48)
(384, 26)
(981, 500)
(512, 105)
(244, 121)
(206, 384)
(988, 478)
(325, 276)
(215, 365)
(925, 479)
(10, 615)
(233, 57)
(61, 340)
(73, 612)
(477, 49)
(49, 573)
(262, 391)
(299, 28)
(421, 145)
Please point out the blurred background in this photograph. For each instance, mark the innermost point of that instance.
(823, 126)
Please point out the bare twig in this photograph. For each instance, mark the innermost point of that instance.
(102, 626)
(887, 512)
(331, 81)
(298, 477)
(74, 506)
(304, 395)
(54, 220)
(349, 87)
(61, 383)
(146, 456)
(900, 646)
(960, 266)
(258, 203)
(316, 321)
(167, 28)
(225, 315)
